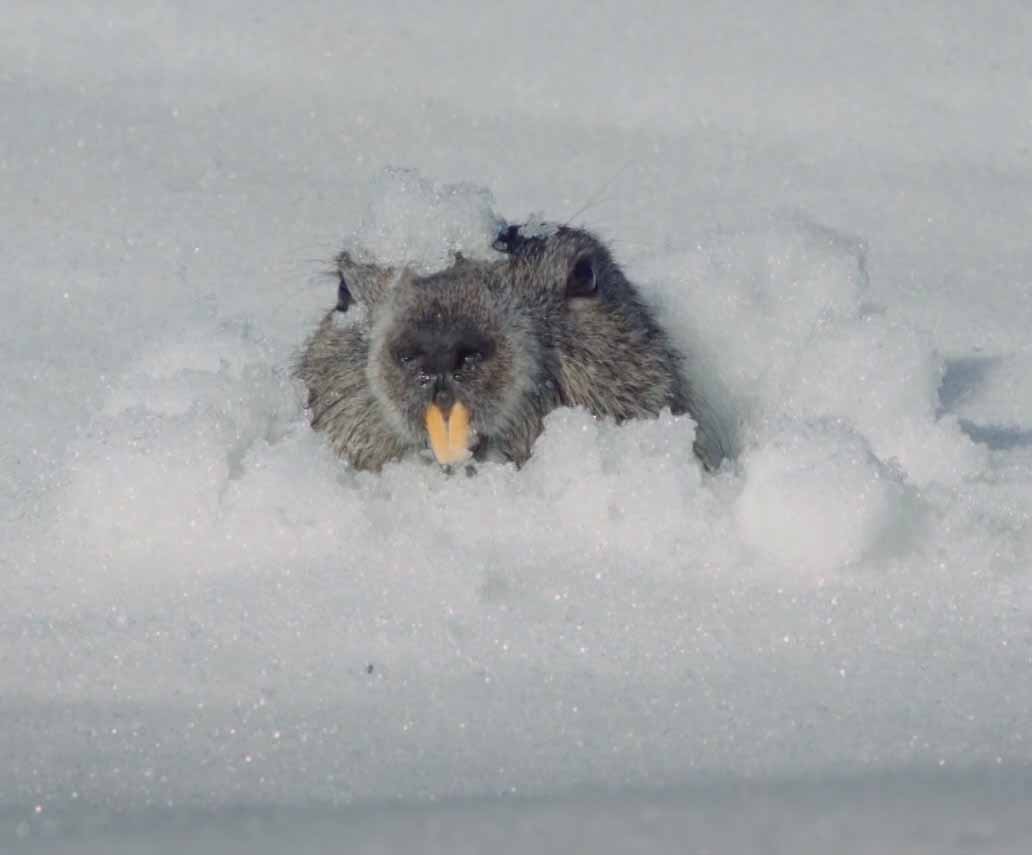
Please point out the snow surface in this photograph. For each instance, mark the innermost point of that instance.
(214, 635)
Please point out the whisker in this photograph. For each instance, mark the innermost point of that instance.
(594, 199)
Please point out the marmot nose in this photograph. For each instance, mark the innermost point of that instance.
(450, 352)
(441, 361)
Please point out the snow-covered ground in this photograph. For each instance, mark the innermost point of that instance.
(216, 637)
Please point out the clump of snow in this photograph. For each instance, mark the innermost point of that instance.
(779, 327)
(537, 226)
(883, 376)
(753, 301)
(816, 497)
(419, 223)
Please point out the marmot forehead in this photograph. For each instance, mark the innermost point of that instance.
(468, 292)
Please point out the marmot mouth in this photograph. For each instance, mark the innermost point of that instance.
(451, 438)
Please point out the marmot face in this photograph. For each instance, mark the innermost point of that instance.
(472, 358)
(457, 361)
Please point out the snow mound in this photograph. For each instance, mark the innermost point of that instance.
(779, 326)
(152, 473)
(416, 222)
(816, 497)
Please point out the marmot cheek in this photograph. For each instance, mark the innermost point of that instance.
(450, 434)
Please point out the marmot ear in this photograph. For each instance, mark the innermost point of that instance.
(360, 281)
(509, 240)
(343, 295)
(582, 280)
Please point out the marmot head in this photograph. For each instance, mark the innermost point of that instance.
(472, 358)
(457, 360)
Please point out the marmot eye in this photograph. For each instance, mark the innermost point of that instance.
(582, 281)
(406, 357)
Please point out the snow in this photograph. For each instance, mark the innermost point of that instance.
(816, 497)
(421, 224)
(216, 636)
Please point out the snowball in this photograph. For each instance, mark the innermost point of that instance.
(815, 498)
(537, 226)
(415, 222)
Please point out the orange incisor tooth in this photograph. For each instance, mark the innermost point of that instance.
(449, 438)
